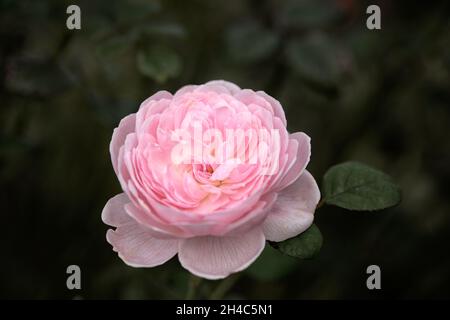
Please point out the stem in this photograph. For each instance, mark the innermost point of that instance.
(194, 282)
(224, 286)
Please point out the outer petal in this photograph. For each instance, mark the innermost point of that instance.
(135, 243)
(126, 126)
(293, 212)
(253, 218)
(113, 213)
(138, 248)
(163, 94)
(217, 257)
(301, 161)
(277, 108)
(185, 89)
(233, 88)
(158, 230)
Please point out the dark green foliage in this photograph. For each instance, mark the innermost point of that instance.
(355, 186)
(304, 246)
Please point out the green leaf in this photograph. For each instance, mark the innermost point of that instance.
(354, 186)
(304, 246)
(250, 42)
(159, 63)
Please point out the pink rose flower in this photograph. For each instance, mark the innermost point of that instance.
(213, 199)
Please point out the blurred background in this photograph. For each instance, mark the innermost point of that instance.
(381, 97)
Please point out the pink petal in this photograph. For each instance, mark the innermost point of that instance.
(155, 226)
(301, 161)
(293, 212)
(114, 213)
(276, 106)
(126, 126)
(163, 94)
(138, 248)
(185, 89)
(254, 218)
(217, 257)
(224, 170)
(214, 88)
(232, 88)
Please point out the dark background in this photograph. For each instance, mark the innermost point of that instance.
(381, 97)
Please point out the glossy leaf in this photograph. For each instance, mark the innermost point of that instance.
(304, 246)
(355, 186)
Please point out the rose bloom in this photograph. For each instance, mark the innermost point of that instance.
(216, 215)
